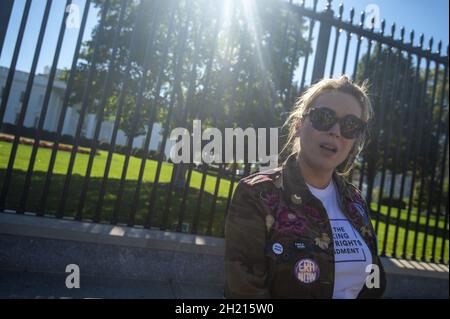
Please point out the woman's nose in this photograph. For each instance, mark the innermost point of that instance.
(335, 130)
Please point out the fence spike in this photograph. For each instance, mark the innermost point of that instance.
(430, 44)
(422, 37)
(328, 7)
(393, 30)
(439, 47)
(383, 25)
(411, 37)
(372, 24)
(341, 10)
(303, 3)
(352, 14)
(363, 17)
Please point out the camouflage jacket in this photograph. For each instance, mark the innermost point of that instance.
(276, 206)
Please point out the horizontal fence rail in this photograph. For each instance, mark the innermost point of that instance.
(87, 136)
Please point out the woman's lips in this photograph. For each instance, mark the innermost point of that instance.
(329, 147)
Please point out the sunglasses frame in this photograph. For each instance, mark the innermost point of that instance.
(362, 127)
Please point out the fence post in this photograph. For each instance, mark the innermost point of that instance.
(5, 14)
(323, 41)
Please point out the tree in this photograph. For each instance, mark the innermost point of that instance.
(404, 133)
(254, 54)
(237, 61)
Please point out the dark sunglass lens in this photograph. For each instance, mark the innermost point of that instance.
(351, 126)
(323, 119)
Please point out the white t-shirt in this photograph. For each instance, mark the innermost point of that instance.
(350, 251)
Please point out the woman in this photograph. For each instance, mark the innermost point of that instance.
(302, 230)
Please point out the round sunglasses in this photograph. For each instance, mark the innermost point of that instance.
(323, 119)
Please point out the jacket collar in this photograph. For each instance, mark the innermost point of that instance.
(295, 188)
(296, 193)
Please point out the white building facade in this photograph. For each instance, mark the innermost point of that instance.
(36, 100)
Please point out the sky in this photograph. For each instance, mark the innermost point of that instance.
(430, 17)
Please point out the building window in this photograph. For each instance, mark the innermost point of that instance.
(21, 96)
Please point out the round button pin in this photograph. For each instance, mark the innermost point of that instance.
(306, 271)
(277, 248)
(299, 245)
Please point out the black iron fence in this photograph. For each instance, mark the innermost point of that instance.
(150, 66)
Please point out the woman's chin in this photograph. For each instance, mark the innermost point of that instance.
(324, 166)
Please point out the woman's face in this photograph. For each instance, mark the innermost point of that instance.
(326, 150)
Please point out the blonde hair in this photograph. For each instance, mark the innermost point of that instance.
(305, 102)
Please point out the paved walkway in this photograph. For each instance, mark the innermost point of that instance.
(34, 285)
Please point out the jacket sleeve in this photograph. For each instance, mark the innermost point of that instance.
(245, 241)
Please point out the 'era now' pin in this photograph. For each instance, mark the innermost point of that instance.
(306, 271)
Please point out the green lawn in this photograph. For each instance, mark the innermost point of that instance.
(411, 233)
(60, 169)
(404, 215)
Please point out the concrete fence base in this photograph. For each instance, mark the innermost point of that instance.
(122, 262)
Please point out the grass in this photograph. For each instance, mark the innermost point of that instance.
(388, 244)
(60, 170)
